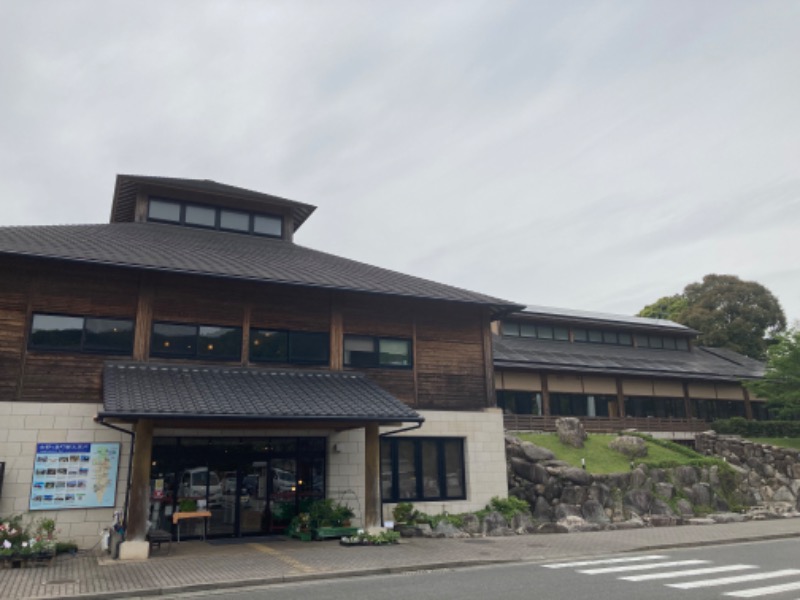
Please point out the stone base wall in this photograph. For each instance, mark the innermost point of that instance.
(577, 500)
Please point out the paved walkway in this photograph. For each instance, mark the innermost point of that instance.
(193, 566)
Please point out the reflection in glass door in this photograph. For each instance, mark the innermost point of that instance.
(282, 492)
(250, 486)
(253, 500)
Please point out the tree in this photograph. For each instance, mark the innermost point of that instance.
(668, 307)
(781, 383)
(728, 313)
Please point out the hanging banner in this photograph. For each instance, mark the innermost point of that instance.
(74, 475)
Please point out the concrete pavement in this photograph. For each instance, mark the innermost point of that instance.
(197, 565)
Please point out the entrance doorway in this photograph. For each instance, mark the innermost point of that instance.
(250, 486)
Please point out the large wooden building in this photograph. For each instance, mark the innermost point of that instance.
(189, 349)
(616, 372)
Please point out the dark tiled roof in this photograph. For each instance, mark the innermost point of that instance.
(600, 319)
(213, 392)
(127, 187)
(154, 246)
(700, 363)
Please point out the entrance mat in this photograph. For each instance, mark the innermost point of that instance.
(260, 539)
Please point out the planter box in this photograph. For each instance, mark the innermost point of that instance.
(322, 533)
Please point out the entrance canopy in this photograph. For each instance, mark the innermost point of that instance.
(133, 391)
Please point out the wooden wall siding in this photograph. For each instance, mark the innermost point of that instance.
(14, 287)
(290, 308)
(399, 383)
(12, 338)
(202, 303)
(448, 339)
(80, 290)
(458, 324)
(451, 392)
(453, 358)
(61, 377)
(450, 369)
(376, 315)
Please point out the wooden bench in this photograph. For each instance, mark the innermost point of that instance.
(156, 537)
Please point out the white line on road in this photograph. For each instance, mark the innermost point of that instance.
(773, 589)
(605, 561)
(677, 563)
(687, 573)
(737, 579)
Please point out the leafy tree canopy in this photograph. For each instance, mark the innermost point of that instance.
(728, 313)
(781, 383)
(668, 307)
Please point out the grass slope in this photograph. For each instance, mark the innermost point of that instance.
(782, 442)
(600, 458)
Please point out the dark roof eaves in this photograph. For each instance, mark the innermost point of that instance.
(611, 370)
(496, 307)
(257, 417)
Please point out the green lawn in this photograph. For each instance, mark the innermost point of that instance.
(599, 457)
(783, 442)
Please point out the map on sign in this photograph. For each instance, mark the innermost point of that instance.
(74, 475)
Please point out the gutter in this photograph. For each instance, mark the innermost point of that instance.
(99, 420)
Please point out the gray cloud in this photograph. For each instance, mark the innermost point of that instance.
(592, 155)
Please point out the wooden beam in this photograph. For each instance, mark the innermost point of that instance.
(748, 406)
(144, 319)
(620, 397)
(488, 359)
(687, 402)
(140, 482)
(545, 395)
(337, 335)
(372, 477)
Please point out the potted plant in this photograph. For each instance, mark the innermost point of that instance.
(300, 527)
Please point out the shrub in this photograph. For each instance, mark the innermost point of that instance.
(508, 507)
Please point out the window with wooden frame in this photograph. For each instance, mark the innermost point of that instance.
(210, 342)
(422, 469)
(70, 333)
(295, 347)
(188, 214)
(363, 351)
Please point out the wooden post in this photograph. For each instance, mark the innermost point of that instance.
(687, 402)
(372, 476)
(140, 482)
(144, 319)
(337, 335)
(748, 406)
(545, 395)
(620, 398)
(488, 360)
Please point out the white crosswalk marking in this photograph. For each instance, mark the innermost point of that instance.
(604, 561)
(677, 563)
(687, 573)
(735, 579)
(764, 591)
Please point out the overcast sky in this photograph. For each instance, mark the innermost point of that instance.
(586, 155)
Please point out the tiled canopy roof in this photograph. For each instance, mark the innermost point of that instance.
(137, 390)
(154, 246)
(699, 363)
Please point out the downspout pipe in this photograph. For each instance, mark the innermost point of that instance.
(99, 420)
(417, 425)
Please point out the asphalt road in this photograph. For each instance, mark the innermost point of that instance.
(772, 570)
